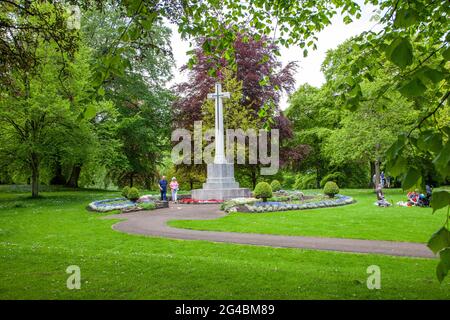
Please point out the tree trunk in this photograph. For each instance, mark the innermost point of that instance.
(74, 176)
(372, 173)
(318, 178)
(191, 184)
(34, 175)
(58, 178)
(254, 178)
(131, 180)
(377, 168)
(377, 173)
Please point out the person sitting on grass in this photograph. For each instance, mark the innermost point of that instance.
(381, 201)
(413, 198)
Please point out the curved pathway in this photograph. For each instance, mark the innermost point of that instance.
(154, 223)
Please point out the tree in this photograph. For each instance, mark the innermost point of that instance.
(138, 93)
(35, 113)
(314, 117)
(257, 66)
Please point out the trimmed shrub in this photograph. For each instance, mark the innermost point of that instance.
(275, 185)
(331, 189)
(125, 191)
(133, 194)
(263, 191)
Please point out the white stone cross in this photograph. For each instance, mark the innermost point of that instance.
(219, 156)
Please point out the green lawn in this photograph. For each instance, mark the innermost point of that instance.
(361, 220)
(39, 239)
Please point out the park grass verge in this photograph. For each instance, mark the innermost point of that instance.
(42, 237)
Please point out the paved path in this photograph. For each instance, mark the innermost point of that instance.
(154, 223)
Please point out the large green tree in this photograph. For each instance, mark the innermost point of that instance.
(314, 116)
(43, 115)
(138, 92)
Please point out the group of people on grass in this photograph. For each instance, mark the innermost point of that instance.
(415, 198)
(173, 185)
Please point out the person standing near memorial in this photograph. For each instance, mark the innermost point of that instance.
(174, 187)
(163, 188)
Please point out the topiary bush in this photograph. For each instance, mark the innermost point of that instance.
(133, 194)
(275, 185)
(263, 191)
(331, 189)
(125, 191)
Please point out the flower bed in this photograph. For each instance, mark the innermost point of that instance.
(111, 204)
(193, 201)
(270, 206)
(122, 204)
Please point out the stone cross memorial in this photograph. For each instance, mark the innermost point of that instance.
(220, 183)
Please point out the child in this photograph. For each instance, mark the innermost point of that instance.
(174, 187)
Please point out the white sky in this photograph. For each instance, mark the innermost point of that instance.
(309, 67)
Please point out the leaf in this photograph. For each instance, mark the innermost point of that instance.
(405, 18)
(439, 240)
(441, 162)
(400, 52)
(347, 20)
(413, 88)
(101, 91)
(446, 54)
(90, 112)
(396, 148)
(443, 265)
(445, 257)
(411, 178)
(397, 167)
(429, 140)
(440, 199)
(433, 75)
(441, 271)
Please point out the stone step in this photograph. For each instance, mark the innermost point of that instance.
(220, 194)
(220, 185)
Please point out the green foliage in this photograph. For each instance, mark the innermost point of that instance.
(337, 177)
(125, 191)
(275, 185)
(137, 90)
(331, 189)
(440, 199)
(147, 205)
(288, 179)
(263, 190)
(133, 194)
(439, 243)
(305, 181)
(400, 52)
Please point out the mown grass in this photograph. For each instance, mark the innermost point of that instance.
(361, 220)
(40, 238)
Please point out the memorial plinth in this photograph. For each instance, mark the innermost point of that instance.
(220, 184)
